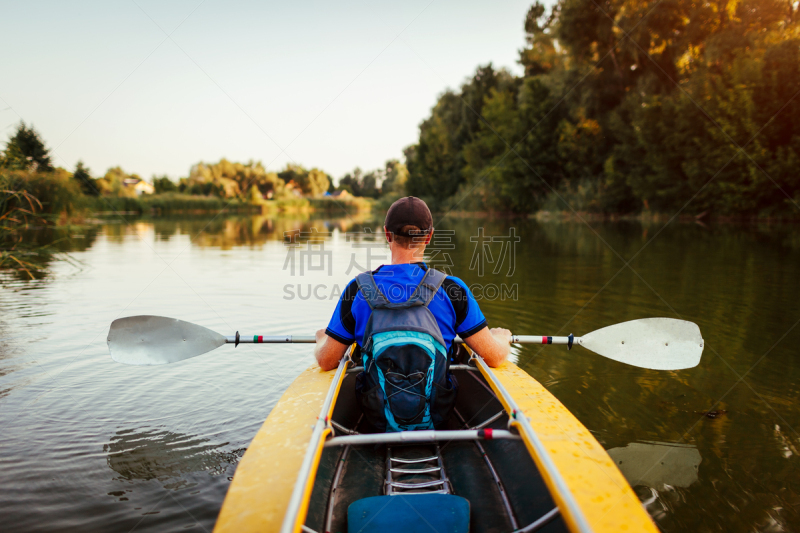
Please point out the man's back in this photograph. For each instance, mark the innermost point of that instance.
(453, 306)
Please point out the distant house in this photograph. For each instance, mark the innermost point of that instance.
(339, 194)
(139, 185)
(293, 188)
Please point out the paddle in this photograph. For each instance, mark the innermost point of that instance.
(655, 343)
(656, 464)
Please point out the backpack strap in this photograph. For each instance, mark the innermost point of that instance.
(371, 292)
(427, 288)
(422, 296)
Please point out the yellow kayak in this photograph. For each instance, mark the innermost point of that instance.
(512, 458)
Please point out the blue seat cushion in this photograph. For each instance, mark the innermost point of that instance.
(404, 513)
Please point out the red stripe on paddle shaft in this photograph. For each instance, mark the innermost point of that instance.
(487, 433)
(260, 338)
(544, 340)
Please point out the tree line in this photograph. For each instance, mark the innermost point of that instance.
(626, 106)
(26, 155)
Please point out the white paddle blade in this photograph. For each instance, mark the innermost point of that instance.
(158, 340)
(655, 343)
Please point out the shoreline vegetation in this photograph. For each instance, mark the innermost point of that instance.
(187, 204)
(643, 217)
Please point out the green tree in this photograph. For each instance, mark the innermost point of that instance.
(113, 183)
(83, 176)
(312, 182)
(25, 150)
(317, 182)
(230, 180)
(369, 184)
(626, 105)
(351, 182)
(436, 170)
(164, 184)
(254, 196)
(396, 176)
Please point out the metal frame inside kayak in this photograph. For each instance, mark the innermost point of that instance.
(590, 492)
(568, 506)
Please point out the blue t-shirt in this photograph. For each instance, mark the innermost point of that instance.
(454, 307)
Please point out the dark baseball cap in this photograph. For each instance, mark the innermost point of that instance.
(408, 211)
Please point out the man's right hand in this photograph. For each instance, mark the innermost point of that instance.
(491, 344)
(501, 335)
(328, 351)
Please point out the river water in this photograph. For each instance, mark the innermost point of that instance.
(92, 445)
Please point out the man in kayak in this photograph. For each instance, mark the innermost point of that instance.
(403, 316)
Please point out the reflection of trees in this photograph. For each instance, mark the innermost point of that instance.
(228, 231)
(220, 232)
(50, 243)
(63, 239)
(147, 454)
(251, 231)
(8, 351)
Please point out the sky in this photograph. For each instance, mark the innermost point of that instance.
(156, 86)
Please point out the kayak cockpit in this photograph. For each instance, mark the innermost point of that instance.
(472, 475)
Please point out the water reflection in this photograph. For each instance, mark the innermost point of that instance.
(226, 233)
(738, 283)
(656, 464)
(153, 453)
(40, 248)
(7, 352)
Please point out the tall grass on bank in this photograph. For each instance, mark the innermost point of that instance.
(29, 199)
(60, 196)
(167, 203)
(17, 208)
(334, 207)
(338, 206)
(176, 203)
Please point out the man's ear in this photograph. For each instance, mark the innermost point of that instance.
(388, 234)
(430, 236)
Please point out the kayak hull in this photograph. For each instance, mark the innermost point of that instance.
(259, 493)
(506, 481)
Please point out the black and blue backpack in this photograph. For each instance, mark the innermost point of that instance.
(406, 383)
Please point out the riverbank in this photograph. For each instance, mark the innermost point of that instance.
(644, 217)
(185, 204)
